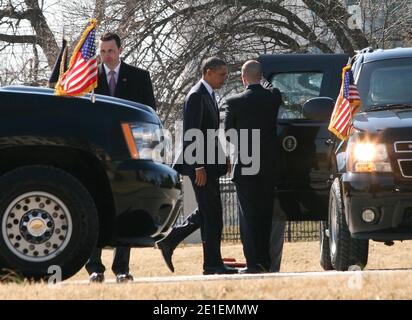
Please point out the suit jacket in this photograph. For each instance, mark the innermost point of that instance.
(133, 84)
(200, 112)
(255, 108)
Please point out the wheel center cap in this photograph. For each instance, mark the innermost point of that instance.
(36, 227)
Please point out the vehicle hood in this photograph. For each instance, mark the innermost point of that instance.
(124, 108)
(375, 121)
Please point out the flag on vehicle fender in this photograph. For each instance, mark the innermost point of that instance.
(81, 76)
(346, 106)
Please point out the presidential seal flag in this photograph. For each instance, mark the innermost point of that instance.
(81, 75)
(347, 105)
(60, 66)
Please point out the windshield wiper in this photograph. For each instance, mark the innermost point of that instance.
(390, 106)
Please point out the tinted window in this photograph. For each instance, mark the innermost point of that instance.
(386, 82)
(296, 89)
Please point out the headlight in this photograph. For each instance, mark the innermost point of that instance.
(147, 141)
(368, 157)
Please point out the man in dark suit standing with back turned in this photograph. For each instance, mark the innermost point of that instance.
(202, 114)
(255, 108)
(121, 80)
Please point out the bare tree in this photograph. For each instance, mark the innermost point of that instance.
(14, 12)
(385, 22)
(171, 37)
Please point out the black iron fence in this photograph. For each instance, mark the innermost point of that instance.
(294, 231)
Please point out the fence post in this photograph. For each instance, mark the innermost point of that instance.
(289, 231)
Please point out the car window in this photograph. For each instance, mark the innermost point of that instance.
(296, 89)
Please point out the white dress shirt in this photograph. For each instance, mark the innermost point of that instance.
(208, 87)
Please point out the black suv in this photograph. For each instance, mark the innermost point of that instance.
(75, 173)
(359, 189)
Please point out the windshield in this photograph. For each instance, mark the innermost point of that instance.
(386, 82)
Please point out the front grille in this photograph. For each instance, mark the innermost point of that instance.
(405, 165)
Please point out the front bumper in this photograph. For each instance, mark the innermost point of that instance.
(147, 197)
(391, 202)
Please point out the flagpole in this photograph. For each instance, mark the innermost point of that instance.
(351, 107)
(350, 61)
(93, 97)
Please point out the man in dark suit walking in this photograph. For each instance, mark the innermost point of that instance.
(121, 80)
(201, 114)
(255, 111)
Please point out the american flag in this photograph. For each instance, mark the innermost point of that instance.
(347, 105)
(81, 76)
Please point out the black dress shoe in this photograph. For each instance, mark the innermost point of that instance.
(167, 252)
(96, 277)
(254, 269)
(124, 278)
(220, 270)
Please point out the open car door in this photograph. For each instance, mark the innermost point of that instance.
(305, 145)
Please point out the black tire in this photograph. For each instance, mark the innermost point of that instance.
(58, 226)
(4, 266)
(325, 260)
(345, 251)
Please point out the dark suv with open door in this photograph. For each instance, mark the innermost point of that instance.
(359, 189)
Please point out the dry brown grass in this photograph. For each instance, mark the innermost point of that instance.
(298, 257)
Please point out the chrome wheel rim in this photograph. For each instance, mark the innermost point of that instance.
(37, 226)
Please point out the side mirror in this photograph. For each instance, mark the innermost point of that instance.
(318, 109)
